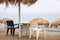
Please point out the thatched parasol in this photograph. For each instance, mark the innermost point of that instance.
(38, 21)
(17, 2)
(56, 22)
(1, 21)
(4, 20)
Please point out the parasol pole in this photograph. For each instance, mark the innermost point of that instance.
(19, 16)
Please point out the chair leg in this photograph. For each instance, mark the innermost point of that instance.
(7, 31)
(30, 34)
(11, 31)
(37, 33)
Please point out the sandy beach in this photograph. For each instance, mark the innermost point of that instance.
(50, 36)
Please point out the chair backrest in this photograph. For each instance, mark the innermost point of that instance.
(10, 23)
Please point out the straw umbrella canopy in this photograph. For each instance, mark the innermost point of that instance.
(38, 21)
(4, 20)
(56, 22)
(1, 21)
(17, 2)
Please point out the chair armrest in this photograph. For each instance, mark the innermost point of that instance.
(17, 25)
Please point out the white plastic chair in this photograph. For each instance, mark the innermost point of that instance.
(38, 30)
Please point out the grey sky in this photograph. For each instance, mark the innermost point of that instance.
(43, 6)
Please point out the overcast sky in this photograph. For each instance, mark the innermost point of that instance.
(43, 6)
(48, 9)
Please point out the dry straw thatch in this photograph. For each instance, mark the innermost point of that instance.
(38, 21)
(55, 23)
(14, 2)
(4, 20)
